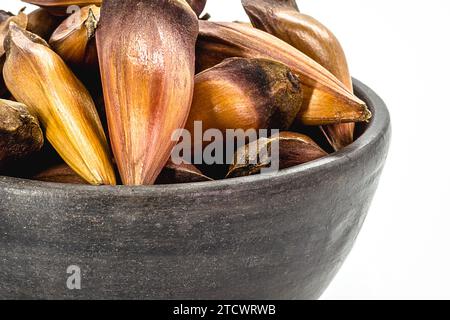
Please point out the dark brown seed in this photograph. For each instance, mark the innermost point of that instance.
(293, 149)
(42, 23)
(61, 173)
(182, 173)
(246, 94)
(20, 133)
(74, 39)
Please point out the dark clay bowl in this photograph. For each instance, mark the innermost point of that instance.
(262, 237)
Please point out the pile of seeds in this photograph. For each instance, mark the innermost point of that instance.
(183, 99)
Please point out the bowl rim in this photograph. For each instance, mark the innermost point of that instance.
(376, 129)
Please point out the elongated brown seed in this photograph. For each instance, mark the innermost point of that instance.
(147, 62)
(292, 149)
(246, 94)
(181, 173)
(42, 23)
(61, 173)
(282, 19)
(74, 39)
(218, 41)
(38, 77)
(20, 133)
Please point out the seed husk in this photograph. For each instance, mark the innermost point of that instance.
(60, 173)
(283, 20)
(20, 132)
(39, 78)
(181, 173)
(148, 80)
(293, 149)
(74, 39)
(245, 94)
(42, 23)
(218, 41)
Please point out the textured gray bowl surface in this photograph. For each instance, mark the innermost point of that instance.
(263, 237)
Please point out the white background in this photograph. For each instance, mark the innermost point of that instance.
(401, 49)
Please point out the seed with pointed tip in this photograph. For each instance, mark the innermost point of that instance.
(218, 41)
(197, 5)
(146, 53)
(61, 173)
(42, 23)
(293, 149)
(282, 19)
(74, 39)
(181, 173)
(339, 135)
(20, 133)
(39, 78)
(245, 94)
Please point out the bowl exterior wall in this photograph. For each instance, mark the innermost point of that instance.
(278, 237)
